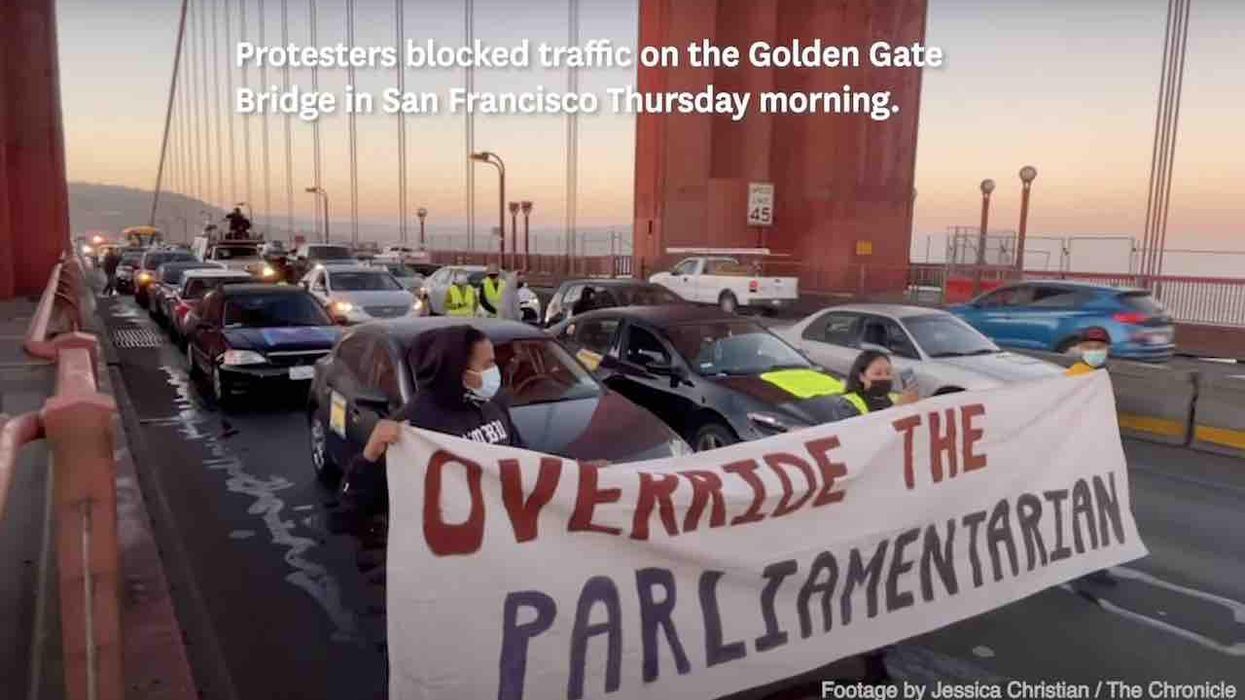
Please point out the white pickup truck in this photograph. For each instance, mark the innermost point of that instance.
(724, 281)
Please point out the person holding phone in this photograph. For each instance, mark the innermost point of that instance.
(870, 386)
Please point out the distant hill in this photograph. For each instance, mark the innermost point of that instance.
(94, 207)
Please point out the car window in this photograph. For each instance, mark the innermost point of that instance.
(234, 252)
(686, 267)
(352, 353)
(273, 310)
(648, 295)
(385, 373)
(1056, 297)
(542, 371)
(943, 335)
(836, 329)
(572, 294)
(597, 334)
(359, 281)
(887, 334)
(643, 348)
(1008, 296)
(1143, 302)
(211, 312)
(317, 281)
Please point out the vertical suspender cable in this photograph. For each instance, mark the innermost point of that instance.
(168, 114)
(1147, 246)
(217, 114)
(315, 125)
(354, 137)
(1180, 49)
(229, 98)
(196, 173)
(1160, 138)
(289, 149)
(212, 196)
(572, 135)
(399, 21)
(263, 125)
(469, 31)
(246, 123)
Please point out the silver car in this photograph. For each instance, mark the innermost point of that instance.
(357, 293)
(942, 353)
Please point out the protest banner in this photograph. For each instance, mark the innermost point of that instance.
(517, 575)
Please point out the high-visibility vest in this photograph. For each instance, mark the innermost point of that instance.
(1078, 369)
(459, 302)
(859, 402)
(493, 291)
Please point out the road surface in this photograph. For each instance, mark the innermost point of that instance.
(276, 607)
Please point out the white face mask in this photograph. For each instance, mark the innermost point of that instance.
(490, 383)
(1094, 358)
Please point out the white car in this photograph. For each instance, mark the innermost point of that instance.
(357, 294)
(723, 281)
(438, 284)
(942, 353)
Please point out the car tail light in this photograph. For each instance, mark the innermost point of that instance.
(753, 286)
(1131, 318)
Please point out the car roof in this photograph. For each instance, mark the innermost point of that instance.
(611, 282)
(891, 310)
(1078, 284)
(352, 268)
(260, 288)
(215, 272)
(498, 330)
(666, 315)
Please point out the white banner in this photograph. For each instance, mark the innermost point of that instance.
(516, 575)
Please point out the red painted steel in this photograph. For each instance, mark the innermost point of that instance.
(15, 432)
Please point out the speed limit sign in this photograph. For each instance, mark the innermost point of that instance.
(760, 204)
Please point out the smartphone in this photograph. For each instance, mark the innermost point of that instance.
(907, 380)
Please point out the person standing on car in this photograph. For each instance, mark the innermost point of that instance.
(869, 387)
(458, 384)
(493, 287)
(460, 298)
(112, 260)
(1094, 345)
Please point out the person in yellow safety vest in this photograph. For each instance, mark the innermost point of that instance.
(460, 298)
(1094, 345)
(868, 388)
(493, 287)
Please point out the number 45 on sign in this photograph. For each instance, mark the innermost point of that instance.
(760, 204)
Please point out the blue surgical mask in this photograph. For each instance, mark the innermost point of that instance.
(1094, 358)
(490, 383)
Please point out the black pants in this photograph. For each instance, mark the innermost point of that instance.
(364, 489)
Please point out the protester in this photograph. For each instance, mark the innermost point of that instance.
(869, 387)
(239, 225)
(585, 303)
(458, 384)
(511, 285)
(460, 298)
(1093, 346)
(112, 260)
(493, 288)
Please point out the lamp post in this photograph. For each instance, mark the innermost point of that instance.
(495, 160)
(526, 207)
(320, 192)
(422, 213)
(1027, 175)
(514, 230)
(987, 186)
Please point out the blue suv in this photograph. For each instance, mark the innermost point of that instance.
(1049, 315)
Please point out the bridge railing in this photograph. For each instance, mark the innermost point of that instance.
(77, 423)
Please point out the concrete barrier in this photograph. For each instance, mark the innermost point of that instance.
(1154, 402)
(1219, 416)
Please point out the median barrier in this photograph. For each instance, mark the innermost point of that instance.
(1153, 402)
(1219, 416)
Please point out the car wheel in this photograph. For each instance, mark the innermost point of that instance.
(727, 302)
(221, 391)
(711, 436)
(327, 471)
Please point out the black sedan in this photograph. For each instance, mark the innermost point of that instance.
(168, 283)
(556, 404)
(715, 378)
(248, 335)
(145, 272)
(579, 296)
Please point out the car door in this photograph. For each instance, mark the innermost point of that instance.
(1047, 317)
(347, 379)
(379, 396)
(995, 314)
(627, 373)
(683, 278)
(208, 340)
(594, 340)
(832, 340)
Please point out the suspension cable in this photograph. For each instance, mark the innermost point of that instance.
(263, 123)
(469, 79)
(289, 151)
(246, 123)
(207, 125)
(315, 125)
(168, 114)
(216, 105)
(233, 146)
(399, 17)
(354, 137)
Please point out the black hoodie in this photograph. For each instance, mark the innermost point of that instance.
(442, 404)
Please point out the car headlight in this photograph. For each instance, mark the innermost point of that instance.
(145, 277)
(417, 305)
(268, 272)
(86, 249)
(770, 422)
(343, 307)
(242, 357)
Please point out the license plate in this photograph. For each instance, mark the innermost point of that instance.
(302, 372)
(337, 414)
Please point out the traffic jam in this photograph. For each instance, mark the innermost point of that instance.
(605, 372)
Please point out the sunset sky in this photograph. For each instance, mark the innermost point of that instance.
(1068, 86)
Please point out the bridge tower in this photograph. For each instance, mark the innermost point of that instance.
(843, 183)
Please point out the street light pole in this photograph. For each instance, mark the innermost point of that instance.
(1027, 175)
(526, 206)
(987, 186)
(320, 191)
(422, 213)
(495, 160)
(514, 231)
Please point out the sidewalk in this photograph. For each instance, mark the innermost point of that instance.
(24, 385)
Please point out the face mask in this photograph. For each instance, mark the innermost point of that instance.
(879, 388)
(1094, 358)
(490, 382)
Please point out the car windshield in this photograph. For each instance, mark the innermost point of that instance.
(131, 259)
(946, 336)
(328, 252)
(377, 281)
(733, 348)
(174, 274)
(273, 310)
(541, 371)
(153, 260)
(234, 252)
(642, 296)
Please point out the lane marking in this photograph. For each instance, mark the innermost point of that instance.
(1220, 436)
